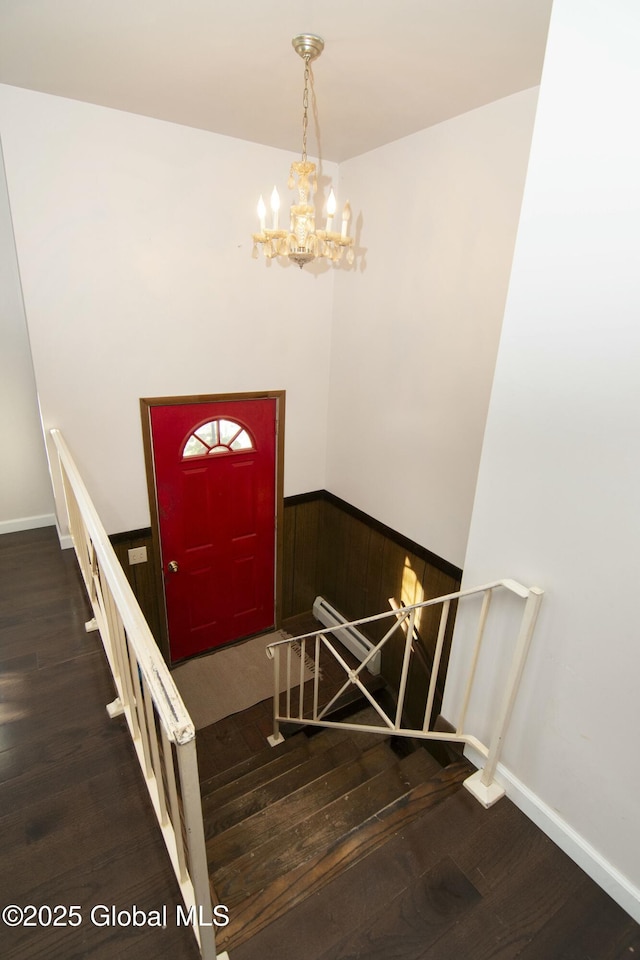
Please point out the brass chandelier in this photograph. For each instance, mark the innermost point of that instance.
(302, 243)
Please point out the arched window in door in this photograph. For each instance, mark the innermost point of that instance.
(218, 436)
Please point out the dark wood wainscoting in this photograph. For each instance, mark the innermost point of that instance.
(303, 518)
(143, 577)
(334, 550)
(357, 564)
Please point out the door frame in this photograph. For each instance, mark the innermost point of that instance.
(146, 403)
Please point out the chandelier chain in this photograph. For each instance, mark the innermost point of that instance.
(305, 105)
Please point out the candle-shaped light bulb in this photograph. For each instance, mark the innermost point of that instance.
(331, 209)
(275, 206)
(262, 210)
(346, 216)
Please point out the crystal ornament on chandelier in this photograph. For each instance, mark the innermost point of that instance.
(302, 243)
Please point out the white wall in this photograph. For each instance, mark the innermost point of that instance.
(134, 243)
(416, 329)
(558, 498)
(133, 238)
(26, 499)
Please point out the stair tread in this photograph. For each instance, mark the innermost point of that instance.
(264, 766)
(352, 901)
(261, 907)
(254, 762)
(219, 819)
(252, 832)
(273, 761)
(281, 853)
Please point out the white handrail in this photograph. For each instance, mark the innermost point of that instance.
(160, 726)
(482, 784)
(512, 585)
(171, 710)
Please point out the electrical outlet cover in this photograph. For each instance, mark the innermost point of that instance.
(137, 555)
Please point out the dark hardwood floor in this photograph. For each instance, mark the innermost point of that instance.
(76, 827)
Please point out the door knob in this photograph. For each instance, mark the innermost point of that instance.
(172, 566)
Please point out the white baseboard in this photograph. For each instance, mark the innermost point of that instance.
(572, 843)
(27, 523)
(66, 540)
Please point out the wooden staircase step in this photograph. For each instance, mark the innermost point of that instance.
(264, 766)
(261, 907)
(329, 749)
(220, 819)
(365, 890)
(279, 854)
(303, 803)
(404, 746)
(272, 762)
(348, 776)
(230, 774)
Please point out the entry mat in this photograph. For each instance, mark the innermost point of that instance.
(232, 679)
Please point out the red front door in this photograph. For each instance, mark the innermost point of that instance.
(215, 465)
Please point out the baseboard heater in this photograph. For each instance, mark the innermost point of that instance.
(356, 642)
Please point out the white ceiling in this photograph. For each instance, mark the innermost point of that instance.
(389, 68)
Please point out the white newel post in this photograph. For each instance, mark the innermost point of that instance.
(482, 784)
